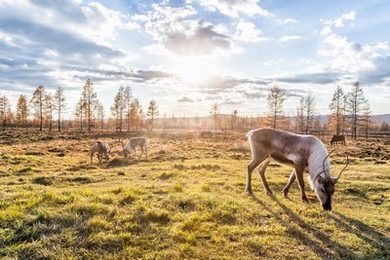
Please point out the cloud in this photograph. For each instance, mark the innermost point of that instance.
(176, 29)
(311, 78)
(235, 8)
(287, 21)
(247, 32)
(202, 39)
(92, 20)
(149, 76)
(232, 101)
(367, 62)
(185, 100)
(234, 91)
(134, 75)
(337, 22)
(53, 43)
(288, 38)
(222, 84)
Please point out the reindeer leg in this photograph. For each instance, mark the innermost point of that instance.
(289, 183)
(91, 157)
(299, 175)
(142, 152)
(251, 166)
(262, 169)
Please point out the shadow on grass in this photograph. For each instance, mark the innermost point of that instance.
(378, 240)
(314, 238)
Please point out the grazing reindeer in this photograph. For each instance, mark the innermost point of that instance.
(102, 149)
(303, 152)
(131, 145)
(337, 138)
(206, 134)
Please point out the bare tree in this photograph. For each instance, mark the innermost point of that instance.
(234, 119)
(305, 113)
(22, 111)
(214, 114)
(309, 111)
(59, 105)
(366, 119)
(135, 113)
(5, 111)
(300, 120)
(119, 106)
(128, 96)
(37, 102)
(165, 123)
(275, 101)
(48, 110)
(100, 114)
(344, 111)
(90, 98)
(337, 109)
(80, 112)
(152, 113)
(355, 106)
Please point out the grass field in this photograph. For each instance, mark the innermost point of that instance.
(186, 200)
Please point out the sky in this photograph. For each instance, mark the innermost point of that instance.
(189, 54)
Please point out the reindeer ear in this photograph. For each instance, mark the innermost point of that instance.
(334, 179)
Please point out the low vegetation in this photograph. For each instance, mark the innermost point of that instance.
(186, 200)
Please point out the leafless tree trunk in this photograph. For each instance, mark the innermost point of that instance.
(59, 105)
(38, 104)
(355, 106)
(275, 101)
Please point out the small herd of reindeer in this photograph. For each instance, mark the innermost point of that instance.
(102, 149)
(304, 153)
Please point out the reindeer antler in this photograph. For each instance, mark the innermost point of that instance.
(120, 140)
(344, 167)
(326, 157)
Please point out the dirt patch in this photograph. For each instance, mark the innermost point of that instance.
(35, 153)
(45, 181)
(75, 168)
(82, 180)
(120, 162)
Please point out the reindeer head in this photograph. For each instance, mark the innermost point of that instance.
(107, 151)
(127, 149)
(324, 184)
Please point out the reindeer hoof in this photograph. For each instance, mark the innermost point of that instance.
(269, 193)
(249, 191)
(305, 200)
(284, 194)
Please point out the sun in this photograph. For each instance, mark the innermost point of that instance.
(195, 70)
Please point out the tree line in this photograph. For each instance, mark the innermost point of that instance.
(46, 109)
(350, 112)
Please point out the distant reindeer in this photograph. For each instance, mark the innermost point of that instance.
(303, 152)
(102, 149)
(337, 138)
(133, 142)
(206, 134)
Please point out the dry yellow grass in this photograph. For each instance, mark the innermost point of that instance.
(186, 201)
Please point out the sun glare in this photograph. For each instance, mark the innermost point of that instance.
(195, 70)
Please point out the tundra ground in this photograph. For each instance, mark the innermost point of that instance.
(186, 200)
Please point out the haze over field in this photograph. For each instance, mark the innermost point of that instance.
(182, 53)
(185, 129)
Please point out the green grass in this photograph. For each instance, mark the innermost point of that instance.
(193, 207)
